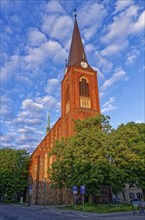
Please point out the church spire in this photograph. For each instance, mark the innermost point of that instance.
(48, 124)
(77, 52)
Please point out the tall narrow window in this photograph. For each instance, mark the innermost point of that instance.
(67, 102)
(67, 93)
(84, 93)
(84, 87)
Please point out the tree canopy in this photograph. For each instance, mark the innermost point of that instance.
(127, 150)
(99, 155)
(13, 172)
(82, 159)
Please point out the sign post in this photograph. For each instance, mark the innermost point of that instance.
(83, 192)
(29, 195)
(75, 191)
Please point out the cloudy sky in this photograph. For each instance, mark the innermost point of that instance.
(35, 41)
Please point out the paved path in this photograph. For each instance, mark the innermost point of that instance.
(33, 212)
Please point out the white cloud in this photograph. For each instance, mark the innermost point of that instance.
(10, 67)
(31, 105)
(23, 79)
(113, 49)
(109, 106)
(96, 12)
(123, 25)
(8, 138)
(52, 84)
(89, 48)
(62, 27)
(131, 57)
(58, 27)
(6, 106)
(121, 5)
(49, 102)
(101, 94)
(26, 130)
(89, 32)
(118, 75)
(102, 62)
(139, 121)
(99, 72)
(36, 38)
(48, 50)
(54, 7)
(34, 111)
(48, 23)
(139, 24)
(93, 18)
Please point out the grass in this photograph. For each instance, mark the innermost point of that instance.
(102, 208)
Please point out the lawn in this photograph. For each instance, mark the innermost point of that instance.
(102, 208)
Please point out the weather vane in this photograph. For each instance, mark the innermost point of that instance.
(75, 11)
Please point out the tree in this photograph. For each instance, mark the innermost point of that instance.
(127, 153)
(99, 155)
(82, 159)
(13, 172)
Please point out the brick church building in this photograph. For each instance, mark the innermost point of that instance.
(79, 100)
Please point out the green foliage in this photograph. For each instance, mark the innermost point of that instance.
(103, 208)
(80, 160)
(13, 171)
(127, 153)
(99, 155)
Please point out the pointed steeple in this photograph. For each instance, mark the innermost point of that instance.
(77, 52)
(48, 124)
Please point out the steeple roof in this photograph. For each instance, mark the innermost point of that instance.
(77, 52)
(48, 124)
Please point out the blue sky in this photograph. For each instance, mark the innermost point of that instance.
(35, 41)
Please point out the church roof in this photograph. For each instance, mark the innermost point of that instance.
(77, 52)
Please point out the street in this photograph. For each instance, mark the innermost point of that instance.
(33, 212)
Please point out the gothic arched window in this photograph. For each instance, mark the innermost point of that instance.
(67, 108)
(85, 101)
(84, 87)
(67, 93)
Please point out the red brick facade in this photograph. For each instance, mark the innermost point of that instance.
(79, 100)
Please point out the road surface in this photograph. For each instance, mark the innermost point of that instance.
(33, 212)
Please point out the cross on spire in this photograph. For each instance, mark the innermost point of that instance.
(75, 13)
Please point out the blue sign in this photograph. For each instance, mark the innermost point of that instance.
(30, 189)
(83, 190)
(75, 189)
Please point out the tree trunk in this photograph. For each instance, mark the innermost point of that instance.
(91, 198)
(123, 194)
(143, 191)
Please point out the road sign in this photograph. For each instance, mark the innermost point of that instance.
(30, 190)
(83, 190)
(75, 189)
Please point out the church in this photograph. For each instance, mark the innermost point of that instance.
(79, 100)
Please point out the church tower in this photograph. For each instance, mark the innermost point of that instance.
(79, 100)
(79, 96)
